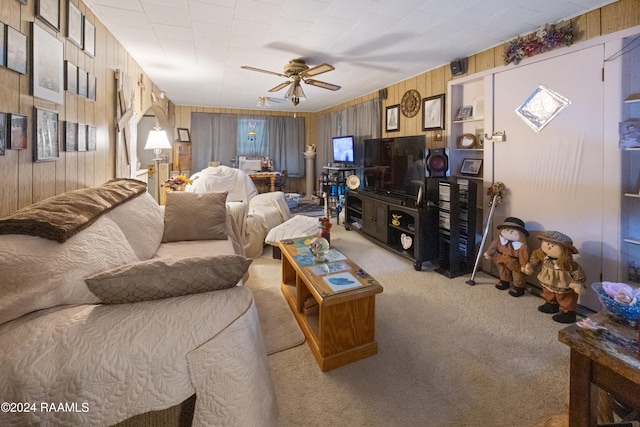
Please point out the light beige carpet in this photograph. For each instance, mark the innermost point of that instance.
(279, 328)
(450, 355)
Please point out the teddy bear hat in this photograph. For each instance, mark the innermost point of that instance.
(559, 239)
(513, 222)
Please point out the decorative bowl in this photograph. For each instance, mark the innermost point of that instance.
(619, 300)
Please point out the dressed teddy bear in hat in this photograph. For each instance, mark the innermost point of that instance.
(510, 253)
(562, 278)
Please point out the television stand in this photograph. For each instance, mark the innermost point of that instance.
(395, 224)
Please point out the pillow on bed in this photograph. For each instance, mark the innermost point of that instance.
(167, 277)
(195, 216)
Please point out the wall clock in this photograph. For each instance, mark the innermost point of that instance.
(410, 104)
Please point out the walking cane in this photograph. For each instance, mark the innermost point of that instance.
(496, 192)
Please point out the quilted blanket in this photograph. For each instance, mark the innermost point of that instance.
(99, 365)
(60, 217)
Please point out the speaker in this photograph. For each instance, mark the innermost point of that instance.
(437, 162)
(458, 67)
(382, 94)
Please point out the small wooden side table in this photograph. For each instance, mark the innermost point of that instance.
(608, 360)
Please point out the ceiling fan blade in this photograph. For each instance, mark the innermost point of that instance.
(245, 67)
(280, 86)
(323, 85)
(318, 69)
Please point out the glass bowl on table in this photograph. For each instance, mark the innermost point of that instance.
(620, 301)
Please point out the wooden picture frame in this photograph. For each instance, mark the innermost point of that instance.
(433, 112)
(466, 141)
(183, 135)
(75, 29)
(89, 42)
(17, 129)
(49, 12)
(47, 80)
(3, 133)
(392, 118)
(46, 147)
(70, 136)
(71, 78)
(472, 167)
(16, 50)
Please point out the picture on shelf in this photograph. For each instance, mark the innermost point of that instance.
(471, 167)
(464, 113)
(629, 133)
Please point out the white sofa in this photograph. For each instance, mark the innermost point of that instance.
(254, 213)
(123, 317)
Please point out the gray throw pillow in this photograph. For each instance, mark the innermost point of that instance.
(194, 216)
(167, 277)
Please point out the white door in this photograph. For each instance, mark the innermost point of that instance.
(554, 178)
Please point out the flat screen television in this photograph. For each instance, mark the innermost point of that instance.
(395, 166)
(343, 150)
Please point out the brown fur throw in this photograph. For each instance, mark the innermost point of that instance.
(60, 217)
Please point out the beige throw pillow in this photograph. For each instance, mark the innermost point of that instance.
(167, 277)
(194, 216)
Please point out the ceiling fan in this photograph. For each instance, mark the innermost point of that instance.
(295, 72)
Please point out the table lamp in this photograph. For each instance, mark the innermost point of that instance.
(157, 141)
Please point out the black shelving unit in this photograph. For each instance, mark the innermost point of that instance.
(456, 226)
(333, 183)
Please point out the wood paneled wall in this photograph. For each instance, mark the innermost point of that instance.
(24, 182)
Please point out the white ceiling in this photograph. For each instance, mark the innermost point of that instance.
(193, 49)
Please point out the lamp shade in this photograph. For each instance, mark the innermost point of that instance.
(157, 140)
(295, 93)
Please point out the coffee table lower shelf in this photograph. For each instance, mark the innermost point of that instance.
(344, 335)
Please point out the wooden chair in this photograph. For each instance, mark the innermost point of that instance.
(281, 181)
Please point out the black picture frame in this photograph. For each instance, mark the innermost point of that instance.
(70, 136)
(17, 128)
(471, 167)
(89, 41)
(3, 133)
(75, 30)
(49, 12)
(71, 77)
(47, 80)
(46, 146)
(183, 135)
(433, 112)
(82, 137)
(392, 118)
(3, 44)
(16, 50)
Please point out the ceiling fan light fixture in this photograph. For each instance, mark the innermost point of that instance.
(263, 102)
(295, 93)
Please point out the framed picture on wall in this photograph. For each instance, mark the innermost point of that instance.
(91, 86)
(82, 137)
(3, 133)
(74, 24)
(91, 138)
(471, 167)
(48, 66)
(16, 50)
(89, 37)
(392, 118)
(46, 131)
(183, 135)
(433, 113)
(83, 88)
(70, 136)
(17, 132)
(71, 77)
(3, 45)
(49, 12)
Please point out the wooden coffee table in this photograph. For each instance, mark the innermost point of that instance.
(340, 329)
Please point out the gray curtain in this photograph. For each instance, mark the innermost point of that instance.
(363, 121)
(213, 137)
(217, 136)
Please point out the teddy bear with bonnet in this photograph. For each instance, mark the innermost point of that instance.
(562, 278)
(510, 253)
